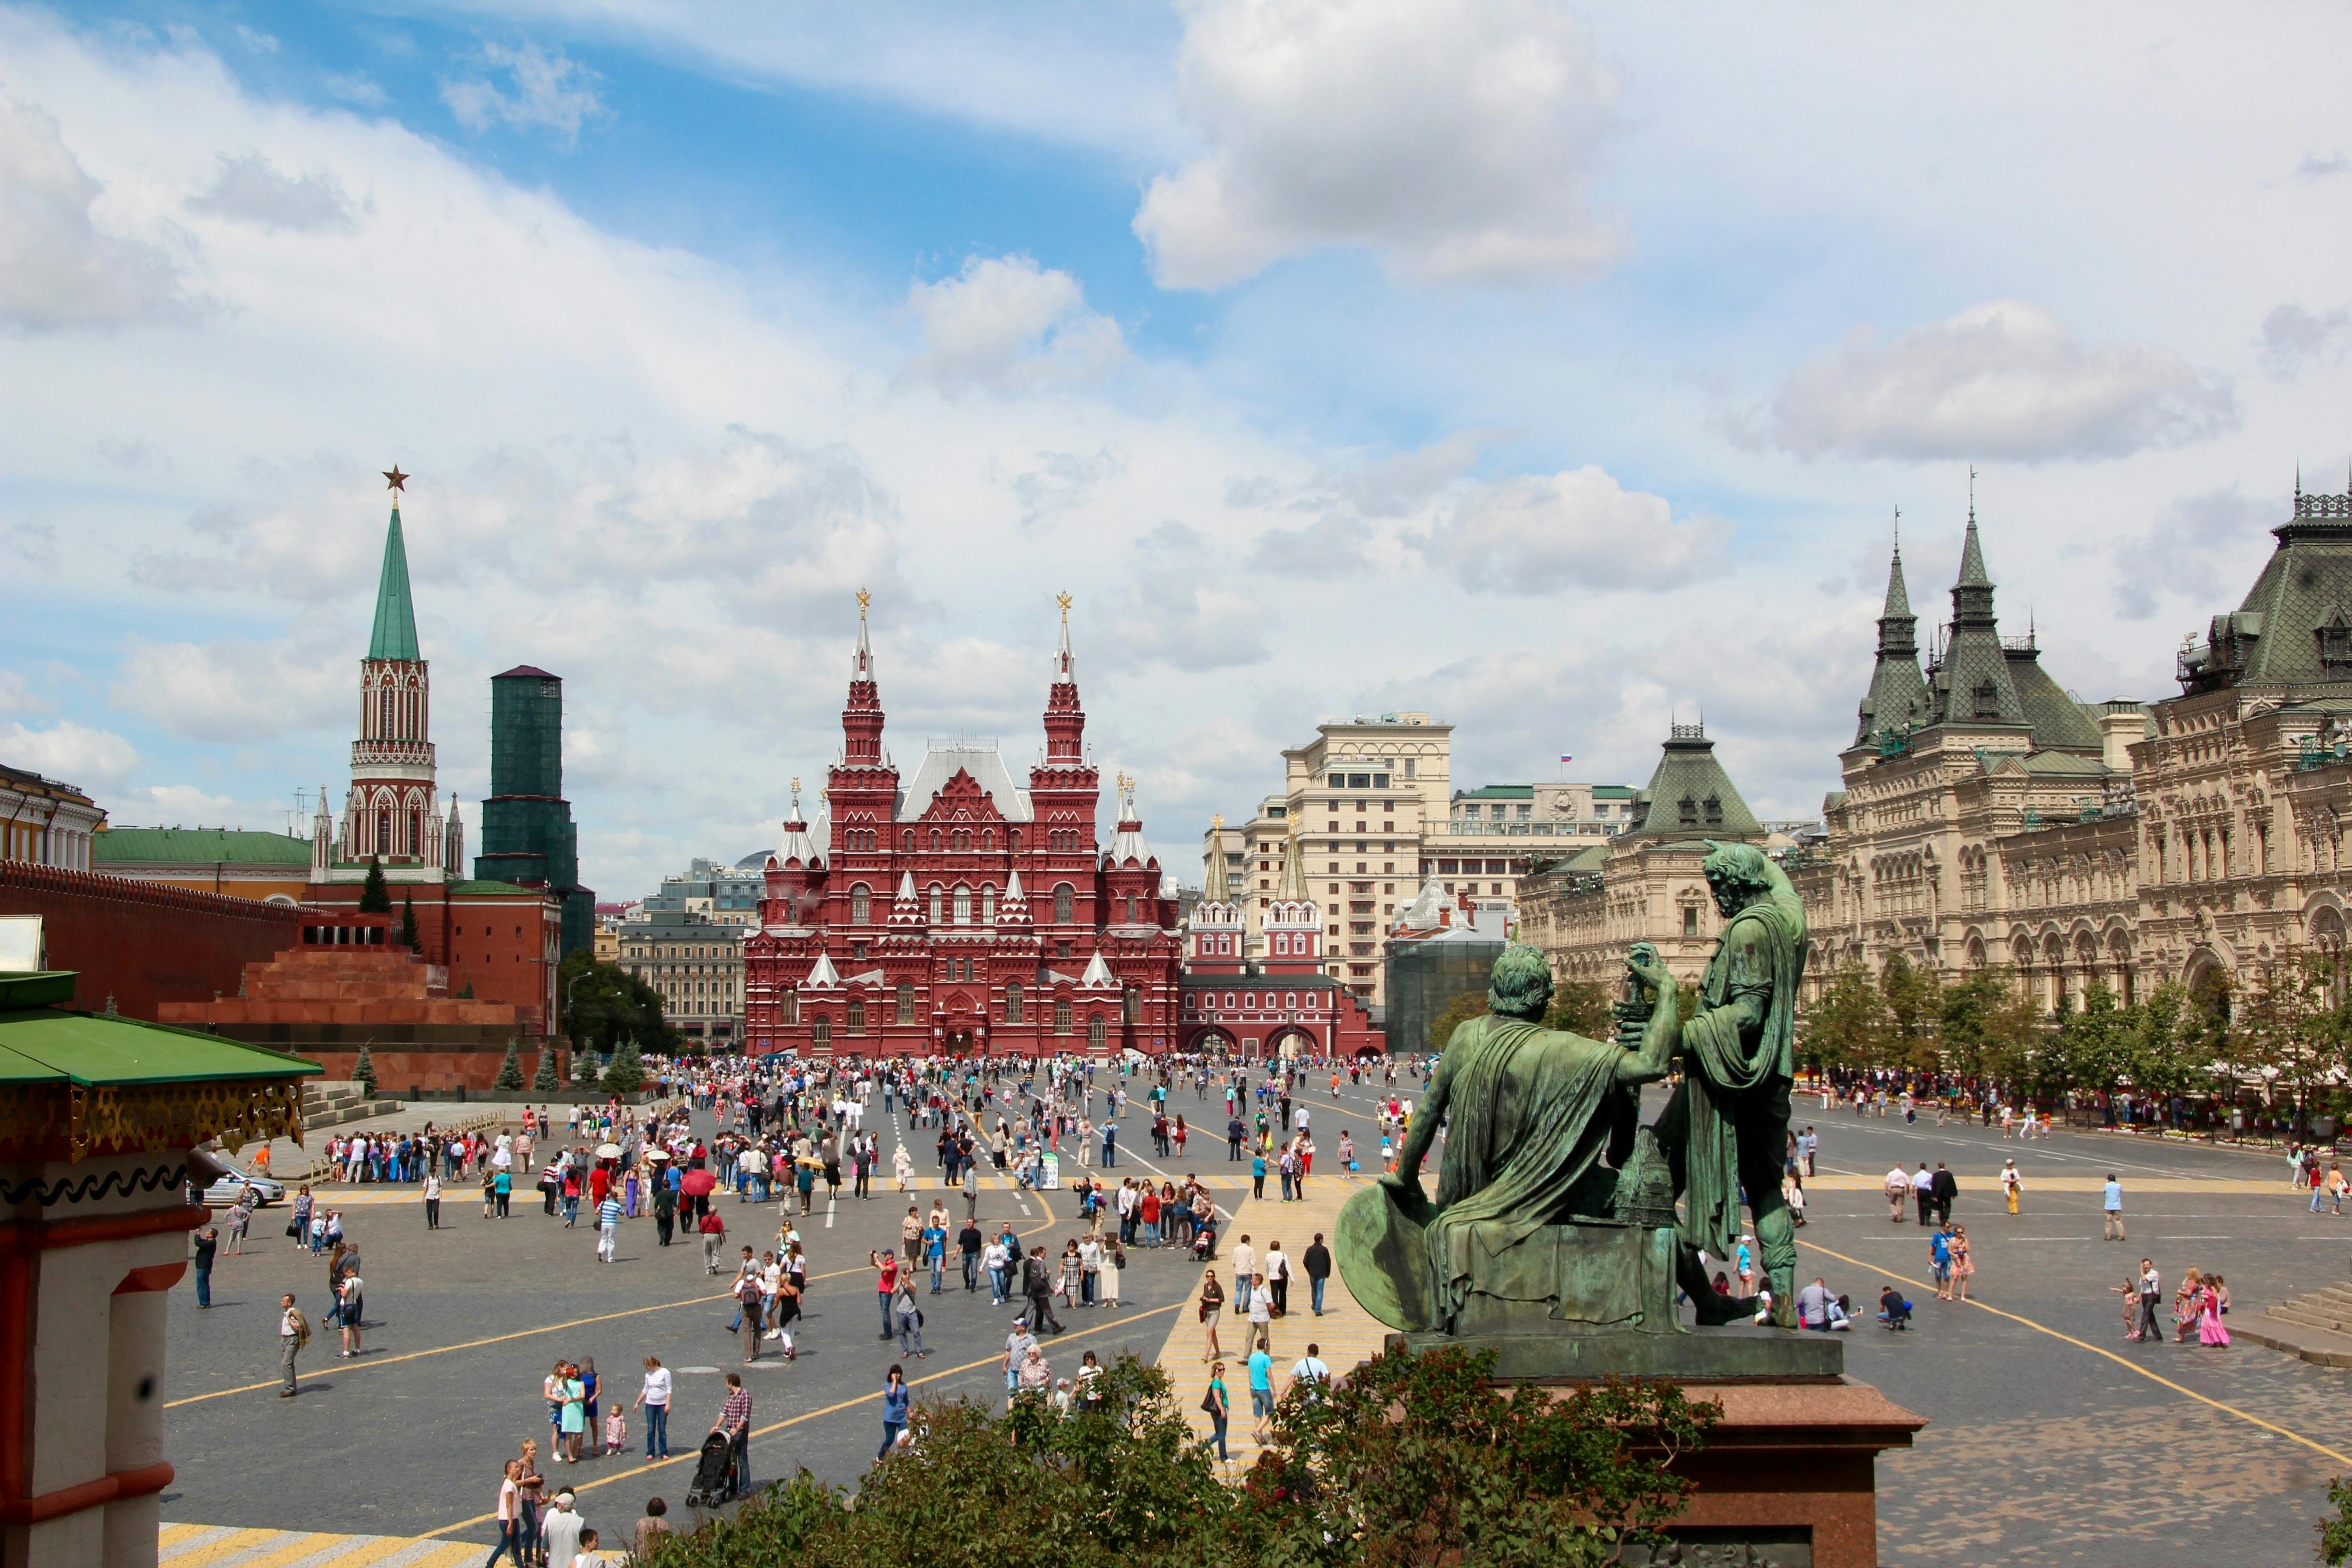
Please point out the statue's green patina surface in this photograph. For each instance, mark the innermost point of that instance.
(1554, 1211)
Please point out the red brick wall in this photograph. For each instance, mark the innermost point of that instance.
(503, 947)
(396, 1072)
(140, 942)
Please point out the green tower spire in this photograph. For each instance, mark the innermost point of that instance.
(395, 609)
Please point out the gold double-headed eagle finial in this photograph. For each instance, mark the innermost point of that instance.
(864, 599)
(1063, 599)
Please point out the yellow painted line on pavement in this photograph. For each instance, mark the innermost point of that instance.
(997, 1360)
(2344, 1459)
(303, 1544)
(214, 1550)
(173, 1534)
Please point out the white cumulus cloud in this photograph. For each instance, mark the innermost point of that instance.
(2003, 380)
(1539, 534)
(1008, 323)
(546, 87)
(238, 689)
(58, 267)
(1456, 140)
(74, 753)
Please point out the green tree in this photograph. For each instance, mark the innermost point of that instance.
(364, 1070)
(1991, 1030)
(549, 1078)
(1584, 1007)
(2094, 1045)
(2336, 1534)
(1914, 1005)
(1461, 1010)
(606, 1004)
(1421, 1459)
(1413, 1460)
(509, 1077)
(408, 922)
(628, 1073)
(375, 899)
(1849, 1026)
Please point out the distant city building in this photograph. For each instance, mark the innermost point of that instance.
(1373, 806)
(46, 823)
(1443, 945)
(726, 894)
(528, 836)
(959, 912)
(696, 964)
(271, 868)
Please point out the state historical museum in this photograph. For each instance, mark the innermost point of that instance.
(960, 913)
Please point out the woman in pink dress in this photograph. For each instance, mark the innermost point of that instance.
(2209, 1331)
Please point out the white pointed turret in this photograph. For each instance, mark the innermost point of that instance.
(906, 910)
(1014, 909)
(1097, 976)
(861, 663)
(822, 975)
(322, 835)
(452, 843)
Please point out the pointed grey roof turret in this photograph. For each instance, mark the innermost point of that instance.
(1973, 684)
(1691, 795)
(1897, 698)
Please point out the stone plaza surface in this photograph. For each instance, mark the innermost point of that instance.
(2050, 1438)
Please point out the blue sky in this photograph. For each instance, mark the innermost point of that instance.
(1553, 370)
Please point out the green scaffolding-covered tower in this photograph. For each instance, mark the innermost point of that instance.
(527, 836)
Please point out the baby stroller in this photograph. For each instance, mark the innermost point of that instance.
(716, 1473)
(1204, 1244)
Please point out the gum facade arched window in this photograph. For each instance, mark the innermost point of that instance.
(861, 904)
(1065, 902)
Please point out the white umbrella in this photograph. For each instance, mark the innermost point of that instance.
(608, 1151)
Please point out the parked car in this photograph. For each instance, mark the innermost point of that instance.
(223, 1191)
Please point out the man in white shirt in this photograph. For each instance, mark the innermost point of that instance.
(1923, 1192)
(289, 1341)
(1244, 1266)
(1899, 1191)
(559, 1530)
(1311, 1368)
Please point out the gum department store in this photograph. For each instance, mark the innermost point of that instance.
(1988, 818)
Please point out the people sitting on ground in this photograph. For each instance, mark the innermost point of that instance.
(1893, 1309)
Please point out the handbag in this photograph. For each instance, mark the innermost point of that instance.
(1209, 1404)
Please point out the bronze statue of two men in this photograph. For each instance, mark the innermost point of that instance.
(1547, 1182)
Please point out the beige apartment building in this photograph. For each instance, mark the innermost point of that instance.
(1374, 805)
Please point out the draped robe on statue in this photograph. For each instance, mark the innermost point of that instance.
(1735, 1060)
(1530, 1113)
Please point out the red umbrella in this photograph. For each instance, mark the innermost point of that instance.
(698, 1184)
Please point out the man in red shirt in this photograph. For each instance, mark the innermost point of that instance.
(600, 1182)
